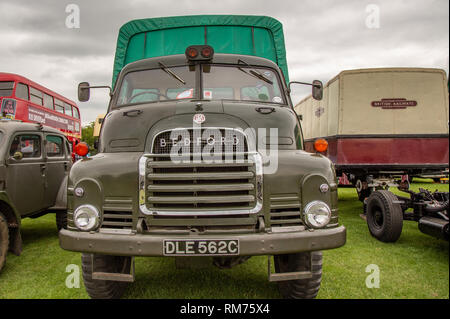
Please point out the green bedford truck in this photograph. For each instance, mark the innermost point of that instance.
(201, 158)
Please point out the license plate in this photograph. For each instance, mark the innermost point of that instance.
(201, 247)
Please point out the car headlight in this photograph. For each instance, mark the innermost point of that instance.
(86, 217)
(317, 214)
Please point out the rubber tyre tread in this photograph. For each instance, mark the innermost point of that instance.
(302, 288)
(102, 289)
(4, 240)
(391, 228)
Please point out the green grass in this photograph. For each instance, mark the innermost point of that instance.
(414, 267)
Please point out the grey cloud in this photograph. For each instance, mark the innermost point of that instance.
(322, 37)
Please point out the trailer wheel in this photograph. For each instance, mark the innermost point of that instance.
(4, 240)
(384, 216)
(302, 288)
(104, 289)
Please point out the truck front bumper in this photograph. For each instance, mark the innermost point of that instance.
(266, 243)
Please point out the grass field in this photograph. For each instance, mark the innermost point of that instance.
(417, 266)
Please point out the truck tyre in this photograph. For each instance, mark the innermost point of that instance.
(61, 220)
(104, 289)
(4, 240)
(384, 216)
(302, 288)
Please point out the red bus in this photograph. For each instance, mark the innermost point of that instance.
(25, 100)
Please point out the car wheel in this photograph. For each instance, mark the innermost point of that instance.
(301, 288)
(104, 289)
(4, 240)
(61, 220)
(384, 216)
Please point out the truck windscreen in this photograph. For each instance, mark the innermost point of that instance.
(220, 82)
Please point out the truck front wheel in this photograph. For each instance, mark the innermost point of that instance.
(302, 288)
(384, 216)
(104, 289)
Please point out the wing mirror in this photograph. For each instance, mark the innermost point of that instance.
(317, 88)
(84, 92)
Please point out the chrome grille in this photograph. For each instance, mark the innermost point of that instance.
(194, 187)
(200, 187)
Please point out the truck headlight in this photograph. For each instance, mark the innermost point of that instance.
(317, 214)
(86, 217)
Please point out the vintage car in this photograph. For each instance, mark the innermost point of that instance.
(34, 164)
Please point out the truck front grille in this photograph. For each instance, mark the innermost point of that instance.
(200, 188)
(197, 187)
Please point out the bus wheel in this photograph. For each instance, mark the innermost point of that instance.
(384, 216)
(104, 289)
(301, 288)
(4, 240)
(61, 220)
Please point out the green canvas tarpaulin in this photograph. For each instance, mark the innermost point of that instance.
(249, 35)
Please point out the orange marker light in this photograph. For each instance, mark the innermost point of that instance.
(81, 149)
(192, 52)
(320, 145)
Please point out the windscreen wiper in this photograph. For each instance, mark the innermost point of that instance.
(254, 73)
(165, 69)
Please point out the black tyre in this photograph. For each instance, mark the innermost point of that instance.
(302, 288)
(4, 240)
(61, 220)
(104, 289)
(384, 216)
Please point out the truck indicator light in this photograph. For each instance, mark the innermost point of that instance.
(321, 145)
(81, 149)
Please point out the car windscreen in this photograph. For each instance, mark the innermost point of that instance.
(157, 85)
(241, 82)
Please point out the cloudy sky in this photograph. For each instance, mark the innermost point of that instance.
(322, 37)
